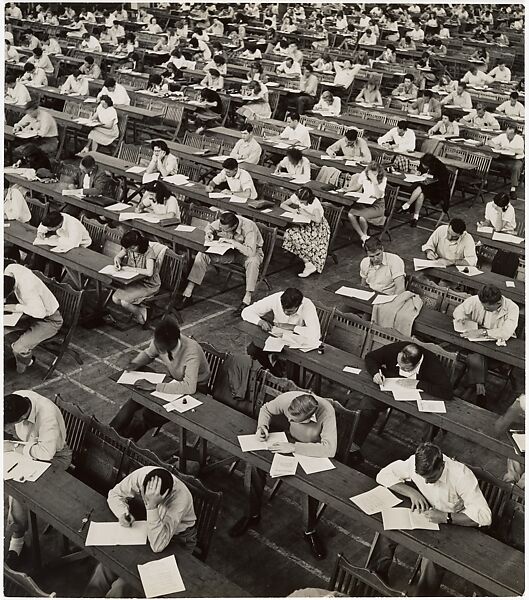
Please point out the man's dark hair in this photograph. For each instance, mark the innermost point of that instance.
(351, 135)
(291, 298)
(164, 475)
(15, 407)
(29, 67)
(229, 218)
(247, 127)
(515, 95)
(427, 94)
(410, 77)
(167, 334)
(89, 60)
(110, 82)
(295, 155)
(402, 124)
(489, 294)
(293, 115)
(88, 162)
(411, 354)
(230, 163)
(458, 226)
(428, 458)
(53, 219)
(38, 51)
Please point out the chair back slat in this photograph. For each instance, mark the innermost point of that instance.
(215, 359)
(431, 294)
(353, 581)
(325, 315)
(96, 231)
(347, 332)
(21, 585)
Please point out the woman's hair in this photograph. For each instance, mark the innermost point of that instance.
(135, 238)
(162, 192)
(295, 155)
(107, 99)
(305, 194)
(374, 82)
(376, 168)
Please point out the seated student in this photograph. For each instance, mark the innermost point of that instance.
(312, 426)
(40, 122)
(38, 422)
(115, 91)
(213, 80)
(372, 181)
(438, 48)
(487, 314)
(91, 43)
(184, 361)
(308, 88)
(246, 249)
(216, 28)
(41, 61)
(389, 55)
(247, 149)
(153, 27)
(76, 84)
(442, 489)
(446, 127)
(16, 92)
(406, 90)
(295, 131)
(345, 73)
(445, 84)
(162, 161)
(512, 142)
(167, 504)
(328, 104)
(501, 73)
(31, 40)
(460, 98)
(368, 38)
(400, 138)
(30, 156)
(210, 111)
(452, 245)
(218, 63)
(515, 415)
(323, 64)
(162, 45)
(481, 55)
(65, 230)
(511, 107)
(406, 43)
(33, 75)
(238, 180)
(90, 68)
(106, 131)
(308, 241)
(159, 200)
(137, 254)
(257, 105)
(15, 205)
(370, 93)
(92, 179)
(127, 45)
(499, 214)
(116, 31)
(438, 193)
(26, 293)
(427, 105)
(416, 34)
(200, 49)
(11, 54)
(480, 118)
(252, 52)
(350, 146)
(289, 67)
(381, 271)
(295, 52)
(294, 163)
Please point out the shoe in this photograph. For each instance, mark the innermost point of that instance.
(180, 302)
(316, 545)
(243, 524)
(237, 311)
(307, 271)
(413, 222)
(12, 560)
(401, 210)
(512, 195)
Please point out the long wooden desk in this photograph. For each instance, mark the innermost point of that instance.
(61, 500)
(486, 239)
(439, 326)
(464, 551)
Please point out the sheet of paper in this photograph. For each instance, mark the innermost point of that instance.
(167, 397)
(405, 518)
(422, 263)
(53, 240)
(465, 326)
(510, 284)
(468, 270)
(419, 521)
(183, 404)
(26, 134)
(506, 237)
(314, 464)
(352, 370)
(62, 248)
(273, 344)
(218, 248)
(185, 228)
(124, 273)
(176, 179)
(136, 169)
(220, 157)
(433, 406)
(150, 177)
(366, 199)
(90, 100)
(392, 383)
(384, 299)
(476, 338)
(300, 219)
(376, 500)
(21, 469)
(282, 145)
(118, 206)
(250, 442)
(405, 394)
(127, 216)
(78, 193)
(301, 180)
(225, 194)
(414, 178)
(238, 200)
(11, 319)
(485, 229)
(149, 217)
(519, 439)
(354, 293)
(283, 465)
(114, 534)
(161, 577)
(130, 377)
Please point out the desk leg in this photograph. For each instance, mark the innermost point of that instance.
(35, 542)
(182, 450)
(247, 479)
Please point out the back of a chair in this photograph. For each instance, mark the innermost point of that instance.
(390, 197)
(347, 332)
(200, 216)
(269, 387)
(520, 228)
(481, 162)
(352, 581)
(392, 121)
(313, 122)
(158, 106)
(192, 170)
(194, 140)
(145, 155)
(142, 101)
(273, 100)
(325, 315)
(112, 241)
(315, 141)
(129, 152)
(269, 239)
(346, 427)
(451, 300)
(173, 116)
(520, 273)
(215, 359)
(172, 270)
(37, 209)
(122, 129)
(277, 194)
(96, 231)
(21, 585)
(69, 302)
(378, 336)
(431, 294)
(333, 127)
(76, 423)
(333, 215)
(71, 108)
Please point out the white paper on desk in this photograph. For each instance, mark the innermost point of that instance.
(26, 134)
(422, 263)
(136, 170)
(392, 383)
(432, 406)
(519, 440)
(282, 145)
(176, 179)
(299, 218)
(405, 518)
(238, 200)
(77, 193)
(88, 122)
(376, 500)
(225, 194)
(314, 464)
(90, 100)
(114, 534)
(220, 157)
(273, 344)
(62, 248)
(352, 370)
(149, 217)
(506, 237)
(118, 206)
(124, 273)
(148, 177)
(468, 270)
(219, 248)
(53, 240)
(127, 216)
(180, 404)
(354, 293)
(403, 394)
(11, 319)
(471, 338)
(161, 577)
(266, 210)
(383, 299)
(30, 470)
(185, 228)
(283, 465)
(251, 443)
(301, 180)
(510, 284)
(414, 178)
(130, 377)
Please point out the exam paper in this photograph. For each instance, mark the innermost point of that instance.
(218, 248)
(468, 270)
(124, 273)
(185, 228)
(519, 440)
(238, 200)
(423, 263)
(176, 179)
(300, 219)
(354, 293)
(62, 248)
(506, 237)
(301, 180)
(225, 194)
(161, 577)
(281, 145)
(352, 370)
(283, 465)
(136, 170)
(485, 229)
(150, 177)
(251, 443)
(510, 284)
(314, 464)
(130, 377)
(376, 500)
(366, 199)
(383, 299)
(21, 469)
(414, 178)
(405, 518)
(11, 319)
(182, 405)
(273, 344)
(118, 206)
(405, 394)
(465, 326)
(114, 534)
(433, 406)
(77, 193)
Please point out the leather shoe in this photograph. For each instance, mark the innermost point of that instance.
(316, 545)
(12, 560)
(180, 302)
(237, 311)
(243, 525)
(413, 222)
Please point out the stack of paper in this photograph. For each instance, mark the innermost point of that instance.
(185, 228)
(273, 344)
(78, 193)
(414, 178)
(130, 377)
(238, 199)
(506, 237)
(219, 247)
(118, 206)
(314, 464)
(137, 170)
(114, 534)
(421, 263)
(405, 518)
(433, 406)
(123, 273)
(281, 145)
(354, 293)
(176, 179)
(161, 577)
(519, 440)
(376, 500)
(251, 443)
(224, 194)
(178, 402)
(147, 178)
(352, 370)
(283, 465)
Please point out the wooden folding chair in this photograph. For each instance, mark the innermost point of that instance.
(21, 585)
(352, 581)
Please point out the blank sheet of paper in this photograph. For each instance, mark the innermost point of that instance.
(161, 577)
(314, 464)
(130, 377)
(11, 319)
(354, 293)
(114, 534)
(433, 406)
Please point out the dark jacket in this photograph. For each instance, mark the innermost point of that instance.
(101, 184)
(432, 377)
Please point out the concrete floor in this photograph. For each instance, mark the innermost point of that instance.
(271, 560)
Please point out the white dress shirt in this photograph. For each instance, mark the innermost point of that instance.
(502, 142)
(34, 298)
(118, 96)
(462, 248)
(511, 111)
(502, 75)
(501, 220)
(18, 95)
(72, 233)
(240, 182)
(299, 134)
(402, 143)
(500, 324)
(247, 151)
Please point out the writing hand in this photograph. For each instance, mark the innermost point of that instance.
(117, 263)
(145, 385)
(262, 433)
(378, 378)
(418, 501)
(126, 520)
(282, 447)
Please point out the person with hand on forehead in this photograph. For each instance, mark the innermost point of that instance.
(162, 161)
(445, 491)
(156, 495)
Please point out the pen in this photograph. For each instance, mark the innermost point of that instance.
(10, 469)
(85, 520)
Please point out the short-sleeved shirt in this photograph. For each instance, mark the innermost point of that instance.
(139, 261)
(240, 182)
(367, 185)
(381, 278)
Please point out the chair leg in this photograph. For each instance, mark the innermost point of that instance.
(156, 431)
(382, 425)
(275, 489)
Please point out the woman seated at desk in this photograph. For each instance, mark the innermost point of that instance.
(162, 161)
(209, 112)
(406, 43)
(446, 127)
(294, 164)
(252, 52)
(153, 27)
(106, 131)
(328, 104)
(389, 55)
(323, 64)
(162, 45)
(213, 80)
(200, 49)
(258, 105)
(370, 93)
(159, 200)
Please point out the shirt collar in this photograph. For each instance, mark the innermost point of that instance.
(32, 417)
(413, 372)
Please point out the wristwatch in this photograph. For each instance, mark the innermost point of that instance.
(449, 518)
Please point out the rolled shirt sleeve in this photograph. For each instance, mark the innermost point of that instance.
(399, 471)
(476, 507)
(119, 495)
